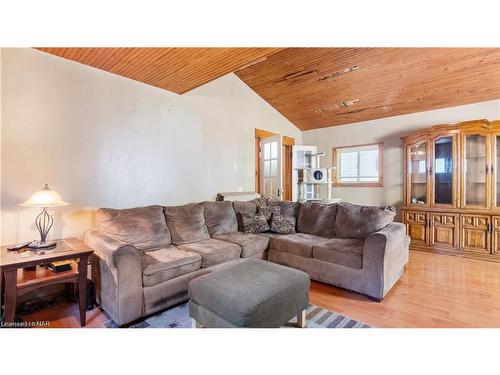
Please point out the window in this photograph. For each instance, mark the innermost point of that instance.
(358, 165)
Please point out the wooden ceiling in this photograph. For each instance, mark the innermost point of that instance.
(321, 87)
(174, 69)
(317, 87)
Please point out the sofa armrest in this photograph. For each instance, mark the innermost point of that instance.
(385, 254)
(108, 248)
(120, 276)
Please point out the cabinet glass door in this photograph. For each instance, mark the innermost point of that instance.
(475, 170)
(496, 170)
(443, 171)
(417, 174)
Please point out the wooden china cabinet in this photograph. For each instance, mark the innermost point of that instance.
(452, 189)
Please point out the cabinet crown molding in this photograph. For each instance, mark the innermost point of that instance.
(437, 130)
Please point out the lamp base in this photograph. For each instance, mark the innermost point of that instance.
(42, 245)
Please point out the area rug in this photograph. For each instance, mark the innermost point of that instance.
(178, 317)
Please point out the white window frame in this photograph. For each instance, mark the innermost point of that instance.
(337, 168)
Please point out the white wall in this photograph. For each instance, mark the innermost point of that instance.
(389, 130)
(103, 140)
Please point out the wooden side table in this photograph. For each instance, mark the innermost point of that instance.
(17, 280)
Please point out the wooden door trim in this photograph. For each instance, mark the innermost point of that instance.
(286, 141)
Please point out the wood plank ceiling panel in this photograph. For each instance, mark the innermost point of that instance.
(174, 69)
(321, 87)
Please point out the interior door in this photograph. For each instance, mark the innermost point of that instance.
(271, 178)
(302, 157)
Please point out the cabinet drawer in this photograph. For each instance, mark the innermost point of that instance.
(496, 222)
(416, 217)
(475, 221)
(445, 219)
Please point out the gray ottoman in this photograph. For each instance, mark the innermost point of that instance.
(255, 293)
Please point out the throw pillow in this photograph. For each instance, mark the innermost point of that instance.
(254, 223)
(282, 224)
(268, 211)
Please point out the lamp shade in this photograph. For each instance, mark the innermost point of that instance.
(44, 198)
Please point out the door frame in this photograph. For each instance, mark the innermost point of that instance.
(288, 142)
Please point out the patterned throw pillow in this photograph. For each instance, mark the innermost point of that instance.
(268, 211)
(282, 224)
(254, 223)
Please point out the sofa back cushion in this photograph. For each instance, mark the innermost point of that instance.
(355, 221)
(220, 217)
(290, 209)
(142, 227)
(186, 223)
(249, 207)
(317, 219)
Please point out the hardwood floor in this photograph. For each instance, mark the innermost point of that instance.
(435, 291)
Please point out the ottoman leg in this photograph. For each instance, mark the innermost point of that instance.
(301, 319)
(195, 324)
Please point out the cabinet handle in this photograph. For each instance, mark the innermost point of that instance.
(487, 169)
(492, 170)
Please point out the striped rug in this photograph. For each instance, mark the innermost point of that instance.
(178, 317)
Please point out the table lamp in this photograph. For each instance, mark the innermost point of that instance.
(44, 198)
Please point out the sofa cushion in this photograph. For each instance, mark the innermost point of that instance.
(290, 209)
(355, 221)
(142, 227)
(251, 244)
(253, 223)
(297, 244)
(163, 264)
(213, 251)
(247, 207)
(346, 252)
(186, 223)
(269, 211)
(287, 208)
(282, 224)
(220, 217)
(317, 218)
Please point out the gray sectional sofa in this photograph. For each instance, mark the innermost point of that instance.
(145, 257)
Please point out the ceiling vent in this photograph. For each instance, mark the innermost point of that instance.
(337, 106)
(340, 72)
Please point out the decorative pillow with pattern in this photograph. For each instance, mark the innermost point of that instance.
(268, 211)
(254, 223)
(282, 224)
